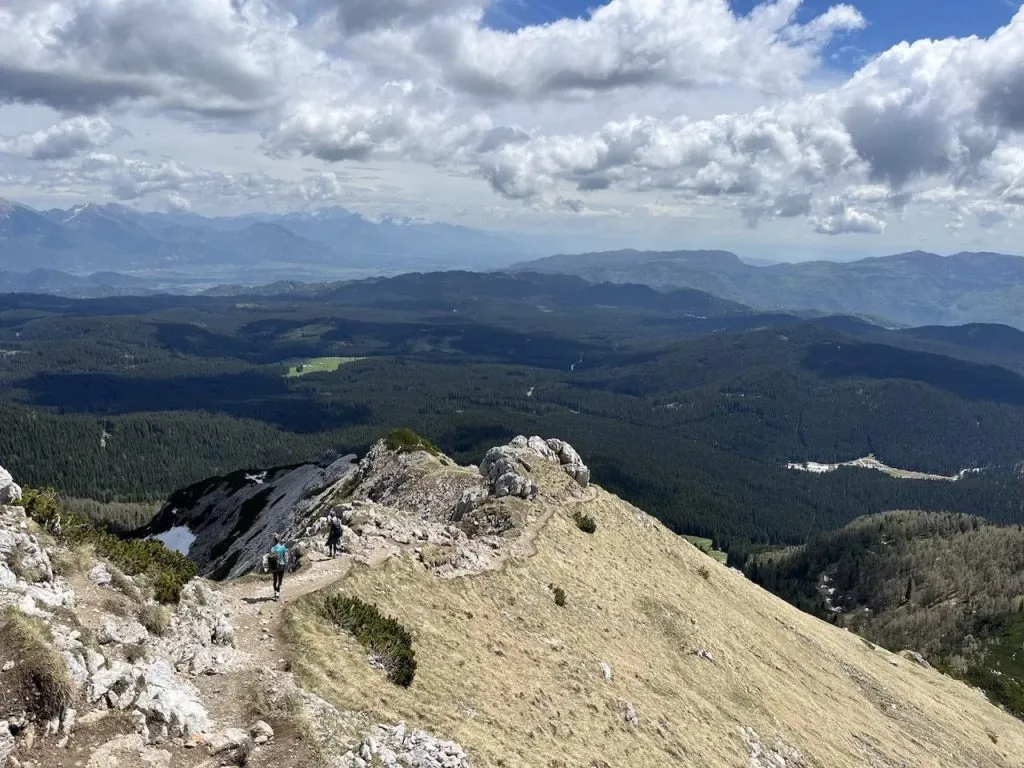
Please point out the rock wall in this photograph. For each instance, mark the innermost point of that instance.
(234, 518)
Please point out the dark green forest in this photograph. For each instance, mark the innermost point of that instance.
(948, 586)
(687, 406)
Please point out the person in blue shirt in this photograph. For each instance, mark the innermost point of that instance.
(278, 562)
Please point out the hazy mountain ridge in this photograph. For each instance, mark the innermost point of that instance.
(914, 288)
(95, 238)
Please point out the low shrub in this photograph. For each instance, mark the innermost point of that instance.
(155, 618)
(585, 523)
(125, 585)
(170, 571)
(704, 572)
(559, 596)
(407, 441)
(388, 642)
(39, 681)
(117, 606)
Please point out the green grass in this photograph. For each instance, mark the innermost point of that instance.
(319, 365)
(407, 441)
(705, 546)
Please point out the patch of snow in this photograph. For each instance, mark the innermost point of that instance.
(258, 478)
(529, 392)
(178, 539)
(870, 462)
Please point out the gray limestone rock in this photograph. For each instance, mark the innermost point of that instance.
(10, 491)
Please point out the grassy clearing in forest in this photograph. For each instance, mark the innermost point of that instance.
(706, 546)
(319, 365)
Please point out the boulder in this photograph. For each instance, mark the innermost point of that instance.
(506, 459)
(126, 632)
(261, 732)
(154, 692)
(10, 491)
(502, 466)
(512, 484)
(229, 740)
(116, 683)
(100, 576)
(165, 700)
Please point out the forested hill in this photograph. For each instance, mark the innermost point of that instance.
(909, 289)
(688, 407)
(948, 586)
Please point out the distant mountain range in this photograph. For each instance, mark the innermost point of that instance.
(94, 238)
(907, 289)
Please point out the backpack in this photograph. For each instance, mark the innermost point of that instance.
(335, 528)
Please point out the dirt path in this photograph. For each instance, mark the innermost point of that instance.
(258, 619)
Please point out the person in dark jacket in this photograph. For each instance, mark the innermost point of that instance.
(333, 534)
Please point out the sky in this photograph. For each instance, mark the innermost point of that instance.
(787, 129)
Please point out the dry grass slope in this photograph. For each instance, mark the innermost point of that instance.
(518, 680)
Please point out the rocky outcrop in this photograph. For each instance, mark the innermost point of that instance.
(200, 640)
(160, 703)
(507, 467)
(26, 573)
(10, 491)
(414, 481)
(557, 452)
(395, 745)
(155, 694)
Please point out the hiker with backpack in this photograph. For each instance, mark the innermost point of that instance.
(333, 534)
(278, 563)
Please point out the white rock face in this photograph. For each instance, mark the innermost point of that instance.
(26, 574)
(570, 460)
(201, 638)
(503, 467)
(6, 742)
(155, 692)
(10, 491)
(125, 632)
(100, 576)
(551, 450)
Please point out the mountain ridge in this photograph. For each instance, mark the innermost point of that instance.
(647, 658)
(93, 237)
(914, 288)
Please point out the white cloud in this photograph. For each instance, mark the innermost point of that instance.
(560, 116)
(931, 113)
(840, 219)
(65, 139)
